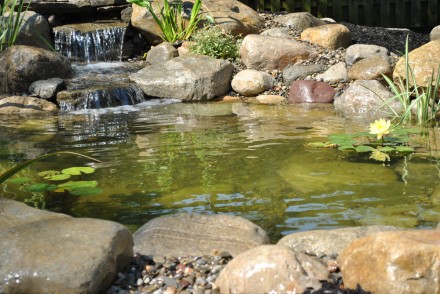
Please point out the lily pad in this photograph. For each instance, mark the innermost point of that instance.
(42, 187)
(341, 139)
(72, 185)
(18, 180)
(386, 149)
(364, 148)
(78, 170)
(346, 147)
(404, 149)
(59, 177)
(320, 145)
(48, 173)
(86, 191)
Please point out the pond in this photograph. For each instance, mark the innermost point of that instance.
(161, 157)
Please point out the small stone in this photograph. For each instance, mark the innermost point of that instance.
(170, 290)
(139, 282)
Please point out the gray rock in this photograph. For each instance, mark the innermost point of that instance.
(277, 32)
(35, 31)
(231, 15)
(299, 21)
(365, 98)
(14, 213)
(126, 14)
(46, 89)
(26, 105)
(269, 269)
(329, 243)
(357, 52)
(294, 72)
(371, 68)
(435, 34)
(24, 65)
(336, 73)
(161, 53)
(189, 78)
(71, 6)
(195, 234)
(63, 255)
(250, 82)
(268, 53)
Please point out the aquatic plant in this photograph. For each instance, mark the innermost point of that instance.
(420, 103)
(172, 21)
(216, 42)
(11, 22)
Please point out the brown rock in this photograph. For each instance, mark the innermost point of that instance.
(161, 53)
(331, 36)
(329, 242)
(310, 92)
(271, 268)
(268, 53)
(393, 262)
(424, 61)
(370, 68)
(196, 234)
(25, 105)
(250, 82)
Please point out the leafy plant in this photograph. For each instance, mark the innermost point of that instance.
(215, 42)
(383, 141)
(11, 22)
(171, 18)
(424, 100)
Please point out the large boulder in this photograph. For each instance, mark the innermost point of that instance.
(48, 7)
(271, 269)
(250, 82)
(268, 53)
(423, 61)
(331, 36)
(299, 21)
(195, 234)
(231, 15)
(393, 262)
(329, 243)
(365, 98)
(23, 65)
(50, 253)
(46, 89)
(189, 78)
(35, 31)
(357, 52)
(26, 105)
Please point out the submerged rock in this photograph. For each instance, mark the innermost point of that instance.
(25, 105)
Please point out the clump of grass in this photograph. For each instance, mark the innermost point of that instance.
(11, 22)
(172, 20)
(216, 42)
(420, 104)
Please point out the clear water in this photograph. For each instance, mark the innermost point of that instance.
(241, 159)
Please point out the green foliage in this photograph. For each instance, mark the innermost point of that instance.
(215, 42)
(171, 19)
(420, 104)
(11, 22)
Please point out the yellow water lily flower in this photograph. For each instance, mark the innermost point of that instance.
(379, 155)
(380, 128)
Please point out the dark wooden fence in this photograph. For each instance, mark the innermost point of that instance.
(386, 13)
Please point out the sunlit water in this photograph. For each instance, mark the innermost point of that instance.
(221, 158)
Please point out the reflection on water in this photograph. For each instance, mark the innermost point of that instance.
(239, 159)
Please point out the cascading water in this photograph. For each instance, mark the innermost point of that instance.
(90, 42)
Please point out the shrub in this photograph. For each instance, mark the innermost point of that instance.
(215, 42)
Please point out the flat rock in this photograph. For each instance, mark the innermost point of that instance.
(46, 89)
(357, 52)
(329, 243)
(364, 98)
(424, 61)
(196, 234)
(250, 82)
(294, 72)
(268, 53)
(393, 262)
(331, 36)
(271, 269)
(370, 68)
(271, 99)
(26, 105)
(63, 255)
(189, 78)
(299, 21)
(310, 92)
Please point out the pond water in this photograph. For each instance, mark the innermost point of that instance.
(242, 159)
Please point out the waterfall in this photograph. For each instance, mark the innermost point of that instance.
(90, 42)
